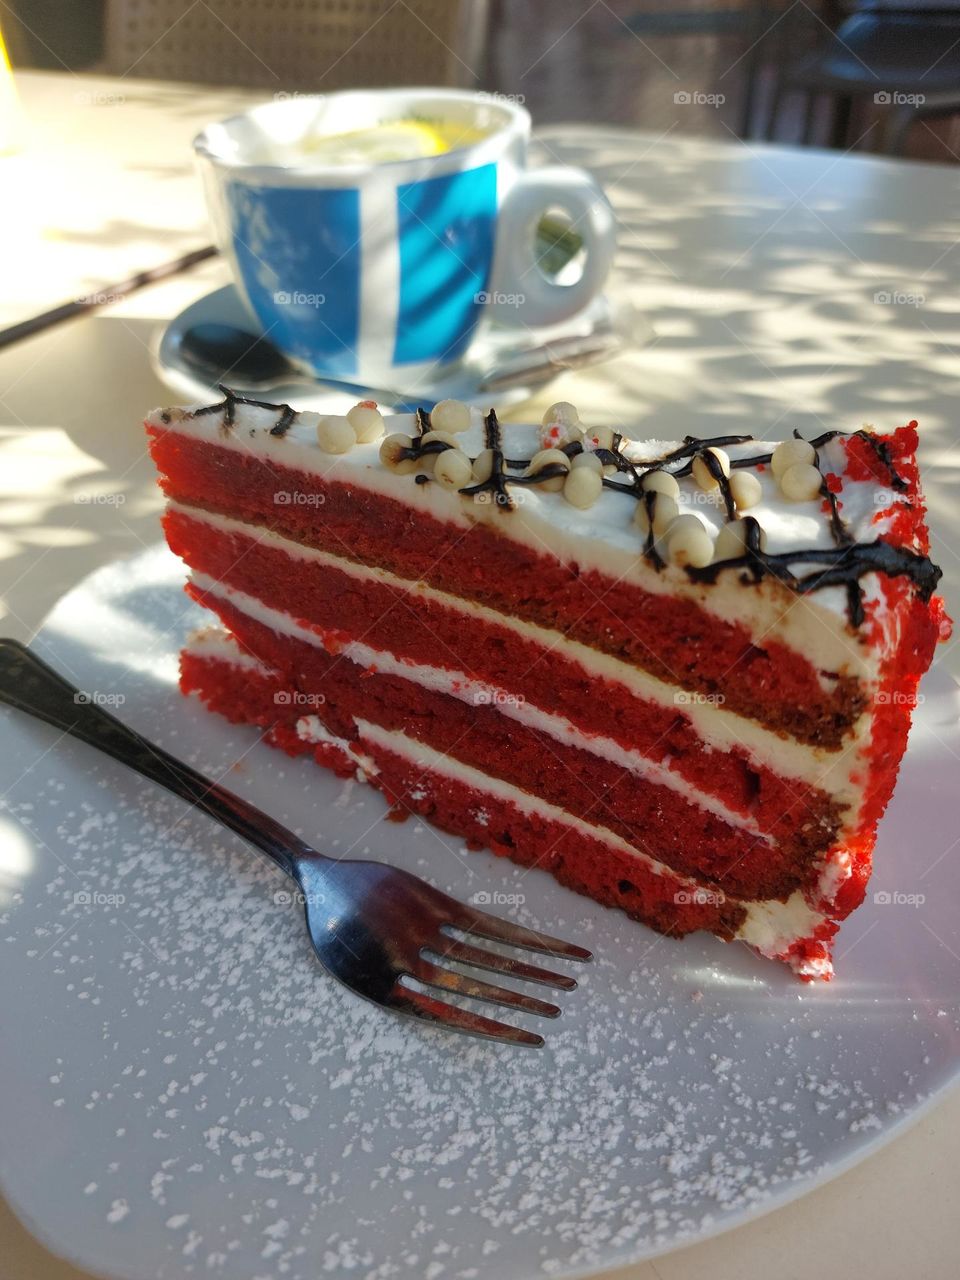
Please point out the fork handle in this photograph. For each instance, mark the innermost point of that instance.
(29, 684)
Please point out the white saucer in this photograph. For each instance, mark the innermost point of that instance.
(186, 1093)
(492, 344)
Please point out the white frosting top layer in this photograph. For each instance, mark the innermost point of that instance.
(604, 537)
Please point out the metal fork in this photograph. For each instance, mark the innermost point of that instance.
(374, 927)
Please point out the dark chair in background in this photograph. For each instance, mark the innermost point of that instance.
(905, 61)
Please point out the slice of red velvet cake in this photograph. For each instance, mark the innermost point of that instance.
(679, 676)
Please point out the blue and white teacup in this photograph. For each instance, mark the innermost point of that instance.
(366, 269)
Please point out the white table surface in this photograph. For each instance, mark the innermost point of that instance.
(759, 270)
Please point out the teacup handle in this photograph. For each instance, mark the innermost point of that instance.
(520, 293)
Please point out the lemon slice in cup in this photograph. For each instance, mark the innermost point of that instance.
(392, 140)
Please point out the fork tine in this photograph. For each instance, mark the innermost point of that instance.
(480, 958)
(428, 1009)
(499, 930)
(435, 975)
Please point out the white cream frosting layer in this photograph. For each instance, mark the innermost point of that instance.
(312, 729)
(214, 642)
(603, 537)
(769, 926)
(718, 728)
(459, 685)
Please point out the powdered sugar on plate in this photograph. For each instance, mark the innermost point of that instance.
(188, 1093)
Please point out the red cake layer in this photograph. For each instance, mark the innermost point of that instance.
(589, 866)
(654, 818)
(585, 865)
(423, 631)
(670, 637)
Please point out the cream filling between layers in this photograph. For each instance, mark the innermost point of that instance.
(311, 729)
(601, 539)
(769, 926)
(214, 642)
(460, 686)
(716, 727)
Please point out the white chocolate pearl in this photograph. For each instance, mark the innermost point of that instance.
(429, 460)
(391, 450)
(598, 437)
(583, 487)
(790, 453)
(335, 435)
(563, 411)
(483, 465)
(660, 482)
(453, 469)
(732, 540)
(587, 462)
(446, 436)
(801, 482)
(547, 458)
(701, 472)
(366, 422)
(450, 415)
(688, 542)
(665, 511)
(745, 489)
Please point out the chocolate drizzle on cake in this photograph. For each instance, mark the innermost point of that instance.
(287, 415)
(838, 526)
(879, 447)
(284, 422)
(843, 565)
(712, 464)
(691, 449)
(496, 482)
(649, 498)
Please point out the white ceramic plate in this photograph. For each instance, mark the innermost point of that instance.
(185, 1092)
